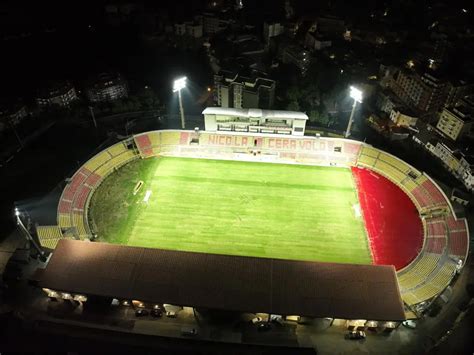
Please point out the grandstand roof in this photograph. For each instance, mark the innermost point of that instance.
(255, 112)
(225, 282)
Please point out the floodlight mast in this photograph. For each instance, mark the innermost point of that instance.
(356, 94)
(177, 86)
(26, 233)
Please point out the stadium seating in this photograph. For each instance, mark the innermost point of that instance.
(49, 236)
(115, 163)
(78, 220)
(64, 220)
(81, 198)
(64, 206)
(421, 179)
(117, 149)
(72, 207)
(409, 280)
(423, 279)
(371, 152)
(97, 161)
(352, 148)
(143, 144)
(388, 170)
(434, 193)
(409, 184)
(367, 161)
(435, 245)
(458, 244)
(170, 138)
(72, 187)
(426, 264)
(155, 139)
(436, 228)
(421, 197)
(456, 225)
(93, 180)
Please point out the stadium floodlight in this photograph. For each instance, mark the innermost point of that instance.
(26, 233)
(356, 94)
(178, 85)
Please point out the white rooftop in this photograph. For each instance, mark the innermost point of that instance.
(255, 113)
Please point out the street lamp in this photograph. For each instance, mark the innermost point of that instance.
(177, 86)
(356, 94)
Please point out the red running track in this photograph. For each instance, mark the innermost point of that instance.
(392, 222)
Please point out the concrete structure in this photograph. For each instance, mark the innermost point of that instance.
(212, 23)
(80, 269)
(179, 29)
(194, 30)
(234, 90)
(448, 154)
(458, 90)
(272, 29)
(255, 121)
(313, 41)
(12, 114)
(331, 25)
(191, 29)
(59, 93)
(466, 171)
(455, 122)
(107, 87)
(387, 101)
(457, 162)
(425, 92)
(297, 56)
(403, 117)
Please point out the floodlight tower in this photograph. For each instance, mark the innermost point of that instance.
(27, 234)
(179, 84)
(356, 94)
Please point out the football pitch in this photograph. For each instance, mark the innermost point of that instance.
(236, 208)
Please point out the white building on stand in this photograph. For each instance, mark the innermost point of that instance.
(254, 121)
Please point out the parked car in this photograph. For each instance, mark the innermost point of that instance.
(189, 331)
(141, 313)
(264, 326)
(256, 320)
(157, 313)
(355, 335)
(171, 314)
(409, 324)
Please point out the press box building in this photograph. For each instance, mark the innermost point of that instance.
(255, 120)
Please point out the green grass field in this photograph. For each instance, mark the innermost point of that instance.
(230, 207)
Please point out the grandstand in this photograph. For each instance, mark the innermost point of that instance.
(49, 236)
(445, 237)
(72, 208)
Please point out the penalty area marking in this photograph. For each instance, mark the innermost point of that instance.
(147, 196)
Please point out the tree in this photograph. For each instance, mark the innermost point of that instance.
(320, 116)
(293, 106)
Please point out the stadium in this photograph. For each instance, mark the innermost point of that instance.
(247, 204)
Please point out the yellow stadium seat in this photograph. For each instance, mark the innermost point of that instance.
(78, 220)
(117, 149)
(64, 220)
(366, 160)
(155, 138)
(372, 152)
(49, 236)
(97, 161)
(170, 138)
